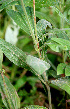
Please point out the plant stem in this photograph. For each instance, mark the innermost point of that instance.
(49, 96)
(30, 28)
(62, 26)
(52, 64)
(35, 20)
(48, 89)
(32, 34)
(37, 46)
(64, 56)
(47, 86)
(36, 29)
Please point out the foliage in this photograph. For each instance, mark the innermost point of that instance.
(62, 83)
(8, 93)
(50, 34)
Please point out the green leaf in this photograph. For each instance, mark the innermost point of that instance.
(8, 93)
(69, 12)
(14, 54)
(6, 3)
(64, 43)
(29, 11)
(42, 15)
(38, 65)
(59, 33)
(61, 68)
(18, 57)
(21, 20)
(41, 28)
(18, 19)
(40, 3)
(20, 82)
(60, 14)
(1, 59)
(53, 45)
(34, 107)
(62, 34)
(67, 70)
(30, 15)
(63, 83)
(53, 74)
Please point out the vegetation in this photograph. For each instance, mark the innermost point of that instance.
(36, 40)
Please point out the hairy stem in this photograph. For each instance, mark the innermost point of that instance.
(37, 46)
(35, 20)
(30, 28)
(36, 30)
(48, 89)
(47, 86)
(49, 96)
(32, 34)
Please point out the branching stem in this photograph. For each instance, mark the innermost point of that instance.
(36, 42)
(47, 86)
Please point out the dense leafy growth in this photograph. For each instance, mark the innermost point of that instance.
(50, 34)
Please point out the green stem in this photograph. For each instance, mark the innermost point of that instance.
(36, 30)
(46, 84)
(49, 96)
(62, 26)
(48, 89)
(36, 46)
(35, 20)
(64, 56)
(52, 64)
(32, 34)
(30, 28)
